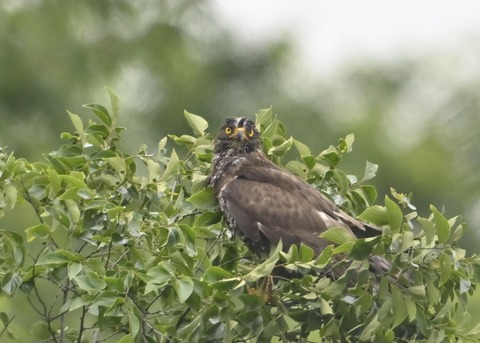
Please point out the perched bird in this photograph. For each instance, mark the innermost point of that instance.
(263, 203)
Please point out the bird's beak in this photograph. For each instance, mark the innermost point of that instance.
(240, 133)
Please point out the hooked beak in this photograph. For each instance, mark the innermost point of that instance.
(240, 133)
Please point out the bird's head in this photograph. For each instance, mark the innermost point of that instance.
(238, 134)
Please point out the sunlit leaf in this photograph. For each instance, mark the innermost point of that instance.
(394, 214)
(113, 102)
(264, 116)
(265, 268)
(77, 122)
(101, 113)
(370, 171)
(302, 149)
(441, 224)
(10, 194)
(197, 123)
(172, 167)
(117, 163)
(428, 228)
(338, 235)
(375, 214)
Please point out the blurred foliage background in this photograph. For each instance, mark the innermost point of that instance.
(417, 116)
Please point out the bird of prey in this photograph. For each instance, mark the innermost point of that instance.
(263, 203)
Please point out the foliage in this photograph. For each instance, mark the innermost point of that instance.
(133, 249)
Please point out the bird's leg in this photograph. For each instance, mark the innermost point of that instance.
(265, 290)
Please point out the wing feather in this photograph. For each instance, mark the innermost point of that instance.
(267, 201)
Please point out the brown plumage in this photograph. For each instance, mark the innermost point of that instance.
(264, 203)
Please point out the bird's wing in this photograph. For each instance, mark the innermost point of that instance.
(261, 209)
(264, 171)
(264, 199)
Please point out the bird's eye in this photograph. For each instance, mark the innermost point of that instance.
(228, 130)
(250, 133)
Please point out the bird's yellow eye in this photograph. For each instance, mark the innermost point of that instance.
(228, 130)
(250, 133)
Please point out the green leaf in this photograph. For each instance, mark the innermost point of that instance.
(345, 144)
(215, 274)
(183, 139)
(73, 210)
(159, 275)
(429, 230)
(407, 240)
(310, 161)
(297, 168)
(183, 287)
(445, 268)
(342, 181)
(161, 146)
(77, 122)
(101, 112)
(206, 218)
(133, 324)
(154, 170)
(117, 163)
(126, 339)
(10, 194)
(306, 254)
(113, 102)
(37, 231)
(74, 269)
(465, 285)
(90, 282)
(362, 248)
(10, 283)
(203, 199)
(330, 155)
(281, 149)
(338, 235)
(172, 167)
(375, 214)
(197, 123)
(417, 291)
(474, 331)
(265, 268)
(441, 223)
(54, 180)
(411, 308)
(74, 179)
(394, 214)
(59, 257)
(398, 306)
(264, 117)
(370, 171)
(302, 149)
(324, 258)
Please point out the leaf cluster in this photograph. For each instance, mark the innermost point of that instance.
(135, 250)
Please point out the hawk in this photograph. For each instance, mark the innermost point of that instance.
(263, 203)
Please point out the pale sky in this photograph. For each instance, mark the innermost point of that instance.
(329, 32)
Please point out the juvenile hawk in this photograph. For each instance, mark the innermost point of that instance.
(264, 203)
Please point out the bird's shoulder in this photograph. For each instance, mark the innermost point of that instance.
(258, 168)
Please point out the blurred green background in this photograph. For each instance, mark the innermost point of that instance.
(417, 115)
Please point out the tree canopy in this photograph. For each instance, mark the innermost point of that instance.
(131, 248)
